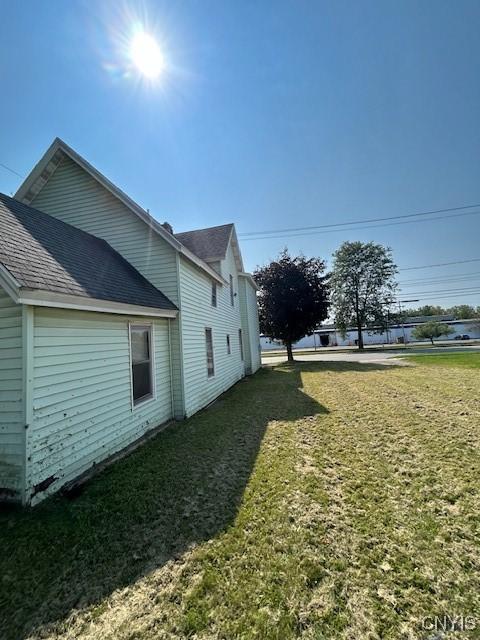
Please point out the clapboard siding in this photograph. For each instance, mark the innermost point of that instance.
(75, 197)
(82, 410)
(250, 325)
(12, 428)
(197, 314)
(253, 327)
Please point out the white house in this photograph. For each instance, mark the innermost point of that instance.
(110, 324)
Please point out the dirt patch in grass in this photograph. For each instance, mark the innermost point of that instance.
(310, 502)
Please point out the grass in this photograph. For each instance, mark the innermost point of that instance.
(468, 360)
(370, 347)
(319, 501)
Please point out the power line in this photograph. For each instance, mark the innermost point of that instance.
(346, 224)
(457, 276)
(440, 264)
(451, 295)
(433, 283)
(372, 226)
(457, 289)
(11, 170)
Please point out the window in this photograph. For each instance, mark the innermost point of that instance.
(209, 342)
(214, 294)
(141, 358)
(229, 350)
(232, 299)
(240, 342)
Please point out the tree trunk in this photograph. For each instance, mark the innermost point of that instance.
(359, 322)
(360, 336)
(432, 340)
(289, 351)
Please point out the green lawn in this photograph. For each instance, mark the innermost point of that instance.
(469, 360)
(320, 501)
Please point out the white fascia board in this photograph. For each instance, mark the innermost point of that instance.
(249, 277)
(39, 298)
(237, 254)
(117, 193)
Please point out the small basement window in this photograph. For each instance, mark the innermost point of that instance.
(141, 358)
(214, 294)
(209, 344)
(229, 350)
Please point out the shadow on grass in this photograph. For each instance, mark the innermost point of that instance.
(337, 366)
(181, 488)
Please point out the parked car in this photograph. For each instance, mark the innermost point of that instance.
(464, 336)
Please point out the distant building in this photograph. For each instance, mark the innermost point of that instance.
(328, 336)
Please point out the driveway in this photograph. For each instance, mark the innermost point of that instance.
(379, 357)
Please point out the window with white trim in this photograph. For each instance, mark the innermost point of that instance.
(240, 342)
(232, 299)
(209, 345)
(141, 359)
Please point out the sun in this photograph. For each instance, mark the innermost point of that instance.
(146, 55)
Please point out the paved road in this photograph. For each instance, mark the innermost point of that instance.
(378, 357)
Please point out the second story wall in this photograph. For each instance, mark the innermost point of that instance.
(74, 196)
(197, 315)
(250, 325)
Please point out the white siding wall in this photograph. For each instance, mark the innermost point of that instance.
(253, 326)
(75, 197)
(250, 325)
(242, 294)
(12, 427)
(82, 393)
(197, 314)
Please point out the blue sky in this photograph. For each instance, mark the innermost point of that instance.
(269, 114)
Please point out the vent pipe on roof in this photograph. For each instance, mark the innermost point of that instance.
(168, 227)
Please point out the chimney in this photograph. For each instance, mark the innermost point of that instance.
(168, 227)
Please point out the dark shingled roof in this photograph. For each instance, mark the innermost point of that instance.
(42, 252)
(207, 244)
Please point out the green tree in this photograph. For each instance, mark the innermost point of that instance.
(293, 298)
(426, 310)
(463, 312)
(363, 284)
(431, 330)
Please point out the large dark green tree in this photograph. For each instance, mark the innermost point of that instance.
(293, 298)
(362, 286)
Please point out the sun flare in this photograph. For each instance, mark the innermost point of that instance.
(146, 55)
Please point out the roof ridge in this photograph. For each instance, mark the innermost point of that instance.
(117, 192)
(216, 226)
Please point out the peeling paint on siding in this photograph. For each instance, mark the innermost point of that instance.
(12, 431)
(72, 195)
(82, 393)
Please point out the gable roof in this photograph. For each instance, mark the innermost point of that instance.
(209, 244)
(45, 167)
(42, 253)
